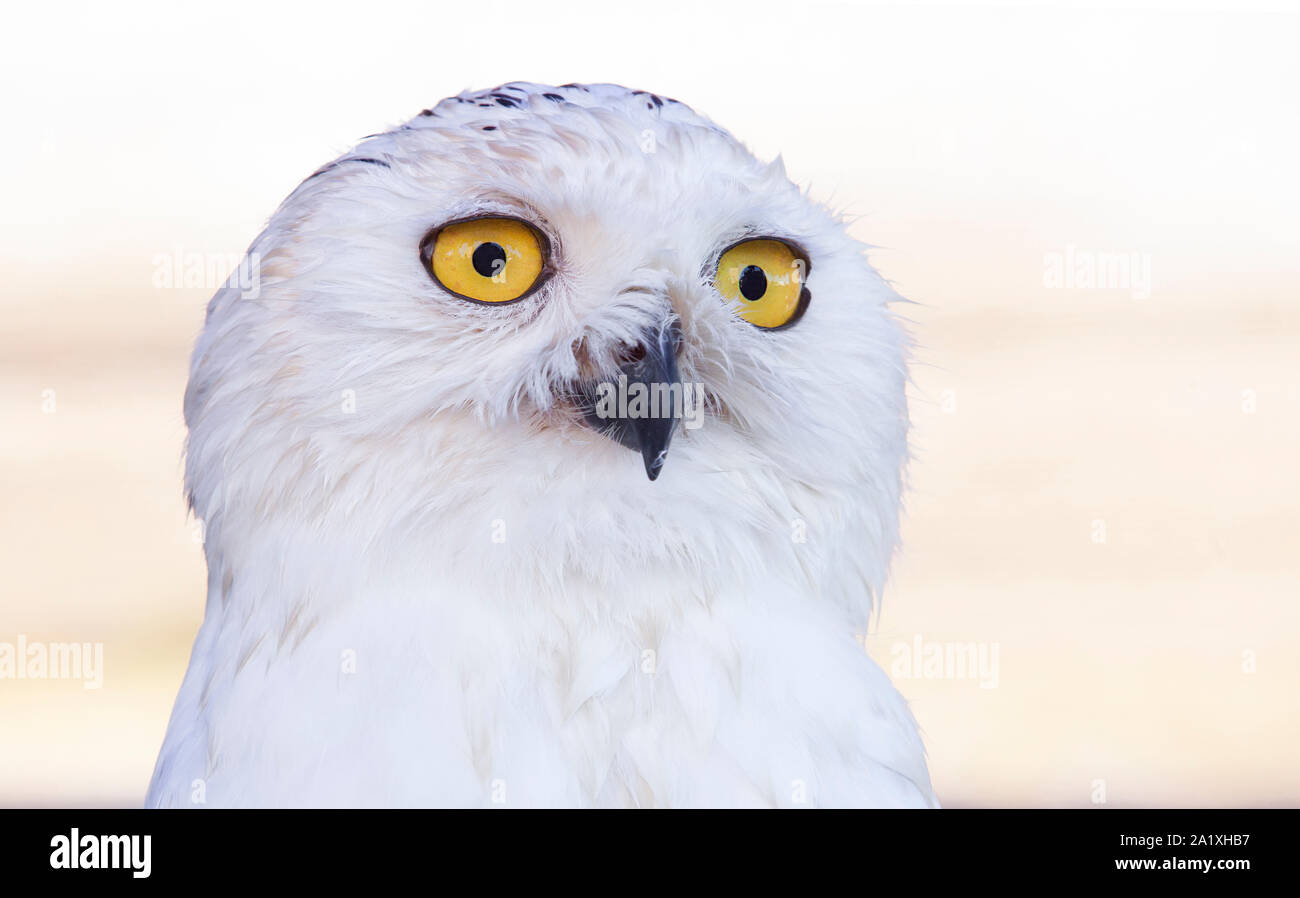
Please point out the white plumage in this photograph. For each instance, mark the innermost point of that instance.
(431, 584)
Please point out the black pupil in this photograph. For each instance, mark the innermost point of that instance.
(489, 259)
(753, 283)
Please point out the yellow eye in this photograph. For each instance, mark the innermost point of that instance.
(764, 278)
(491, 260)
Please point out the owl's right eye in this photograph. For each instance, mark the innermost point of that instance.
(487, 260)
(764, 279)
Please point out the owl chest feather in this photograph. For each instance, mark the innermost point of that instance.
(429, 695)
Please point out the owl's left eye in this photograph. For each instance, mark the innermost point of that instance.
(764, 279)
(488, 260)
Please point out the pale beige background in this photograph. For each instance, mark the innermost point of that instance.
(969, 142)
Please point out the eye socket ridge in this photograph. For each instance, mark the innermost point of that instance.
(429, 246)
(796, 249)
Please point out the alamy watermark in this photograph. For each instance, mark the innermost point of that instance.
(935, 659)
(653, 400)
(90, 852)
(23, 660)
(1083, 269)
(209, 271)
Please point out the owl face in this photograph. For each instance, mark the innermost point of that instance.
(451, 314)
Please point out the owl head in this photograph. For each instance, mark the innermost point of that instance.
(453, 322)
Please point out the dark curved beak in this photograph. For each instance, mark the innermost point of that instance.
(641, 408)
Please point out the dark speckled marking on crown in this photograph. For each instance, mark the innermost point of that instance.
(493, 110)
(511, 100)
(364, 160)
(654, 99)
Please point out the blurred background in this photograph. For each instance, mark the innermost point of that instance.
(1094, 212)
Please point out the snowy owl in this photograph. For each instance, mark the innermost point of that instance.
(456, 558)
